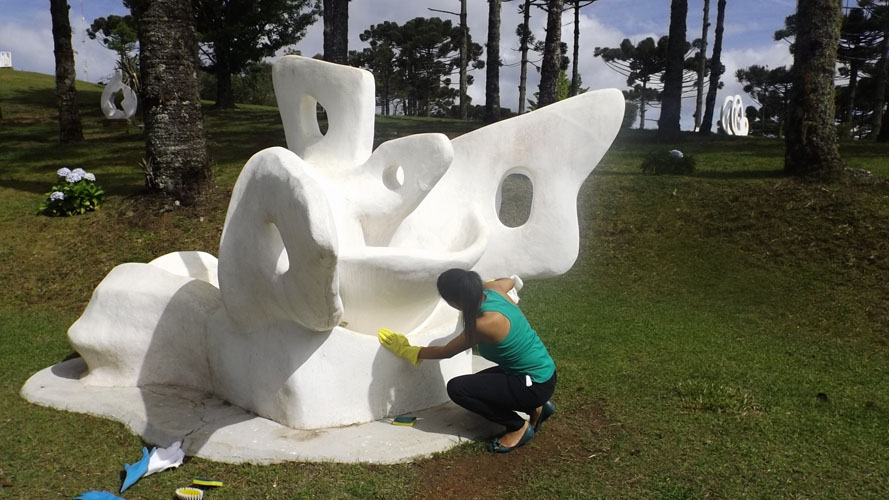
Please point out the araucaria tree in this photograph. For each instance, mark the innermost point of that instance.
(413, 64)
(118, 33)
(552, 54)
(811, 145)
(641, 64)
(671, 103)
(175, 147)
(238, 32)
(70, 129)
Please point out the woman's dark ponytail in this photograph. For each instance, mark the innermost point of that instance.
(465, 290)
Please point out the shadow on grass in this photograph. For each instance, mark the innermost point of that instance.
(739, 174)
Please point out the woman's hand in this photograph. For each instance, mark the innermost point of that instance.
(399, 345)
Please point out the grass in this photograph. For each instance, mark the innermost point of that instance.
(722, 334)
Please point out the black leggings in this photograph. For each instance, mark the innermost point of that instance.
(497, 396)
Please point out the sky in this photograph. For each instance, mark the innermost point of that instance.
(26, 31)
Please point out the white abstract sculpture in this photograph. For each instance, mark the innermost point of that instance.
(128, 105)
(328, 240)
(5, 59)
(733, 116)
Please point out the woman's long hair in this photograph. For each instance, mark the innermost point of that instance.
(465, 290)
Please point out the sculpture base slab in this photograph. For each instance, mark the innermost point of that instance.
(213, 429)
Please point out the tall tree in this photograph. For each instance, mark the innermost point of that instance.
(716, 69)
(879, 130)
(811, 136)
(702, 61)
(70, 128)
(464, 57)
(119, 34)
(492, 77)
(770, 88)
(552, 56)
(336, 31)
(576, 5)
(526, 39)
(671, 104)
(238, 32)
(175, 147)
(641, 64)
(380, 59)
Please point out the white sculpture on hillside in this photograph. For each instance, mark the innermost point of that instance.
(127, 106)
(733, 116)
(5, 59)
(326, 241)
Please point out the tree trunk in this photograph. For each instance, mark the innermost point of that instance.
(811, 136)
(715, 69)
(225, 97)
(575, 66)
(175, 147)
(671, 104)
(464, 61)
(549, 70)
(850, 98)
(492, 79)
(523, 48)
(702, 67)
(882, 75)
(642, 106)
(336, 31)
(70, 128)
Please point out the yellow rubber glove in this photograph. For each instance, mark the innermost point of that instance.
(398, 344)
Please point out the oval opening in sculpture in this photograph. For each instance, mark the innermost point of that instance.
(515, 197)
(323, 123)
(393, 177)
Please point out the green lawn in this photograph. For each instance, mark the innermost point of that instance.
(722, 334)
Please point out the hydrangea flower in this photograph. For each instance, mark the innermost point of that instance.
(79, 171)
(57, 196)
(73, 177)
(90, 177)
(63, 172)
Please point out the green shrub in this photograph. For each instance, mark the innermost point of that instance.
(668, 162)
(75, 192)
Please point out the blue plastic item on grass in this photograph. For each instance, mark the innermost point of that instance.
(97, 495)
(136, 470)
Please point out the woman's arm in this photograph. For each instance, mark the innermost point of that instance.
(457, 345)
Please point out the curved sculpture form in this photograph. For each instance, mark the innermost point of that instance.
(128, 105)
(733, 117)
(328, 240)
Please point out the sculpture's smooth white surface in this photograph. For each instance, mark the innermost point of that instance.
(733, 116)
(5, 59)
(127, 107)
(328, 240)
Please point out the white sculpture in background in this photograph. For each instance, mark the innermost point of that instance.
(733, 117)
(127, 106)
(326, 241)
(5, 59)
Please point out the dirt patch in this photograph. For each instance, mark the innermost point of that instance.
(475, 473)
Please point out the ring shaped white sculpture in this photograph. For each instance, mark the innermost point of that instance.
(127, 106)
(733, 116)
(328, 240)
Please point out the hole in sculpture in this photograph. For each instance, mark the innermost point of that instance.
(515, 196)
(321, 113)
(393, 177)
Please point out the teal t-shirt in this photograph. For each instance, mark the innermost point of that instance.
(521, 352)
